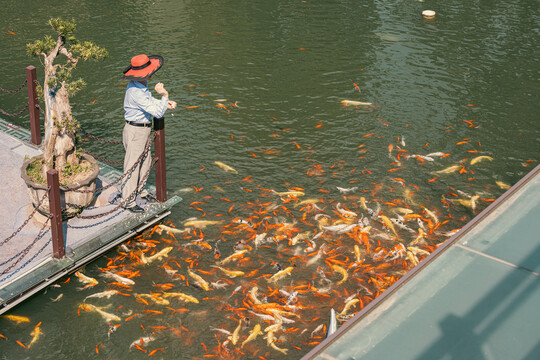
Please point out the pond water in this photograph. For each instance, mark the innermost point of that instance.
(441, 93)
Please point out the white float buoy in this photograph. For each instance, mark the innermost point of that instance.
(428, 14)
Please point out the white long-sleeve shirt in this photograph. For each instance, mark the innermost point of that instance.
(140, 106)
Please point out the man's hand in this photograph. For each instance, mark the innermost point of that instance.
(171, 104)
(160, 89)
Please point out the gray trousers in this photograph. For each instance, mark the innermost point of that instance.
(135, 139)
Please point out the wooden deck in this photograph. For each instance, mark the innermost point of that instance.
(28, 258)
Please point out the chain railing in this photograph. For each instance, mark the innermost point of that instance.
(53, 187)
(14, 91)
(40, 202)
(143, 155)
(27, 249)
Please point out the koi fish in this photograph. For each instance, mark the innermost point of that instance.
(142, 341)
(119, 278)
(35, 334)
(388, 223)
(86, 279)
(182, 296)
(230, 273)
(348, 305)
(252, 334)
(155, 298)
(225, 167)
(448, 170)
(298, 237)
(471, 203)
(162, 227)
(280, 274)
(199, 280)
(237, 254)
(355, 103)
(105, 315)
(345, 213)
(480, 158)
(163, 253)
(345, 190)
(342, 271)
(502, 185)
(236, 333)
(202, 223)
(294, 193)
(17, 318)
(357, 253)
(102, 294)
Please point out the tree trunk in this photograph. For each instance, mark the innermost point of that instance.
(58, 142)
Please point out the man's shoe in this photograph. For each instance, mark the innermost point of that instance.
(135, 209)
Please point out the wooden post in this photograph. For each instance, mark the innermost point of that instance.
(56, 211)
(35, 125)
(159, 149)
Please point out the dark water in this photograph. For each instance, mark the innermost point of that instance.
(287, 65)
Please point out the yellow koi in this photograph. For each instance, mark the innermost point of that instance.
(448, 170)
(199, 280)
(182, 296)
(156, 299)
(252, 334)
(202, 223)
(355, 103)
(105, 315)
(348, 305)
(388, 223)
(357, 253)
(86, 279)
(480, 158)
(342, 271)
(237, 254)
(280, 274)
(236, 333)
(225, 167)
(17, 318)
(294, 193)
(163, 253)
(35, 334)
(502, 185)
(230, 273)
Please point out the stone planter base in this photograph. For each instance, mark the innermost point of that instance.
(72, 202)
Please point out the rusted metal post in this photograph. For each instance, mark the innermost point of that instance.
(159, 150)
(56, 212)
(35, 125)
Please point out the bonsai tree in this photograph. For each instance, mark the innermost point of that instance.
(59, 146)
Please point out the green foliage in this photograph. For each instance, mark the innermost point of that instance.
(70, 169)
(34, 171)
(61, 74)
(75, 86)
(38, 47)
(63, 27)
(88, 50)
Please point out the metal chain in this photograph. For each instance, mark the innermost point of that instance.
(40, 202)
(139, 160)
(40, 109)
(27, 250)
(123, 203)
(103, 159)
(14, 91)
(99, 139)
(15, 114)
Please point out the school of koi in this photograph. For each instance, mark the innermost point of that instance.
(267, 280)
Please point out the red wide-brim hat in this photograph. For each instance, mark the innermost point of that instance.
(143, 66)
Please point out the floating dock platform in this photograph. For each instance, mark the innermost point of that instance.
(476, 297)
(27, 260)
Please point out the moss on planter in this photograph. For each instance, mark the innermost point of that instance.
(69, 175)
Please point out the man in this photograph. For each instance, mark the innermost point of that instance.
(140, 106)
